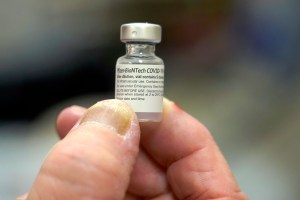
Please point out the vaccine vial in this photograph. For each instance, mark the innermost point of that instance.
(140, 73)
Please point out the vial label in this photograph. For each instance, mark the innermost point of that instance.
(141, 86)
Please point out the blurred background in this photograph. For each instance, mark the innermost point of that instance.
(234, 65)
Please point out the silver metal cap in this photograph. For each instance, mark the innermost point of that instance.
(140, 32)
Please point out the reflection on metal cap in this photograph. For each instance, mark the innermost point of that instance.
(141, 32)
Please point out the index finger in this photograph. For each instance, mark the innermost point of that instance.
(196, 168)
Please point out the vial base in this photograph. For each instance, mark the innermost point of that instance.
(149, 116)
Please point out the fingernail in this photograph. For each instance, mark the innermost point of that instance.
(77, 110)
(167, 101)
(170, 106)
(113, 113)
(22, 197)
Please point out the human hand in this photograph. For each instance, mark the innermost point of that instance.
(106, 154)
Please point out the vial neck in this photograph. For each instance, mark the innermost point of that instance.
(140, 49)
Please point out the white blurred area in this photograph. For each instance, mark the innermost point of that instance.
(43, 34)
(239, 76)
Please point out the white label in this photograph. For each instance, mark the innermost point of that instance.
(141, 86)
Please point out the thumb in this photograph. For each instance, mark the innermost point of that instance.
(95, 159)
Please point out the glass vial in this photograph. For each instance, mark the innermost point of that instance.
(140, 73)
